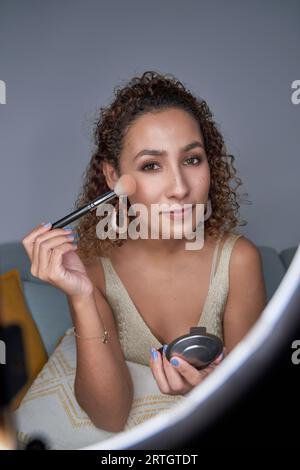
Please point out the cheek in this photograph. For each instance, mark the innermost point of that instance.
(205, 175)
(204, 180)
(201, 183)
(146, 193)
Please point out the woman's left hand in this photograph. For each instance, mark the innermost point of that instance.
(181, 378)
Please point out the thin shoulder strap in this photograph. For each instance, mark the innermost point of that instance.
(107, 273)
(212, 273)
(218, 289)
(226, 253)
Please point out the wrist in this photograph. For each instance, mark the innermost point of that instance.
(79, 300)
(103, 337)
(86, 318)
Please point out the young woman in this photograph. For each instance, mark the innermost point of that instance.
(146, 292)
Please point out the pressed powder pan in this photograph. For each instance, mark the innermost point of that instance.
(198, 348)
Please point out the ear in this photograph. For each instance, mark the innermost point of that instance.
(111, 174)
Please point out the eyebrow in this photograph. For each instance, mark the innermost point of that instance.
(159, 153)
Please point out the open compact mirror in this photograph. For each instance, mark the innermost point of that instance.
(198, 348)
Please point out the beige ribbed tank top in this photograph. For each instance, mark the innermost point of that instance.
(135, 336)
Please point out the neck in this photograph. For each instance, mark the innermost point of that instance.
(160, 249)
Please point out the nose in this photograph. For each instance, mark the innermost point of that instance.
(176, 185)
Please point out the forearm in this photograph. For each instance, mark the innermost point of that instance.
(101, 388)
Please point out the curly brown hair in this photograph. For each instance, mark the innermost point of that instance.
(152, 92)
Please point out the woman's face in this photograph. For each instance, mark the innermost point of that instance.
(164, 152)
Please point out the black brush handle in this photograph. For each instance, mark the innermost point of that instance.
(71, 217)
(83, 210)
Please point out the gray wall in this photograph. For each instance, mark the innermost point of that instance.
(60, 61)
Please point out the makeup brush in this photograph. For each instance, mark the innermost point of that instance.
(125, 186)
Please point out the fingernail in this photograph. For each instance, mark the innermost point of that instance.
(220, 357)
(154, 353)
(68, 229)
(76, 237)
(174, 362)
(46, 224)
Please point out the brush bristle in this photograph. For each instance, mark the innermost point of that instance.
(125, 186)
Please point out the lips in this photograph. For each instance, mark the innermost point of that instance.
(178, 211)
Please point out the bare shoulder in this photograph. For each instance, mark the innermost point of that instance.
(246, 269)
(245, 254)
(247, 293)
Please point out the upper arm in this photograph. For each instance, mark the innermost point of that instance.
(247, 293)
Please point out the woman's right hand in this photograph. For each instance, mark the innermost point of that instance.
(54, 260)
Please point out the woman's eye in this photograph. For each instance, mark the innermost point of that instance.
(148, 166)
(198, 160)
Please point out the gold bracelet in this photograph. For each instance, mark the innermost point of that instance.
(104, 338)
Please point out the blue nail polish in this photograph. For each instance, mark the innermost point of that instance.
(174, 362)
(154, 354)
(46, 224)
(76, 235)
